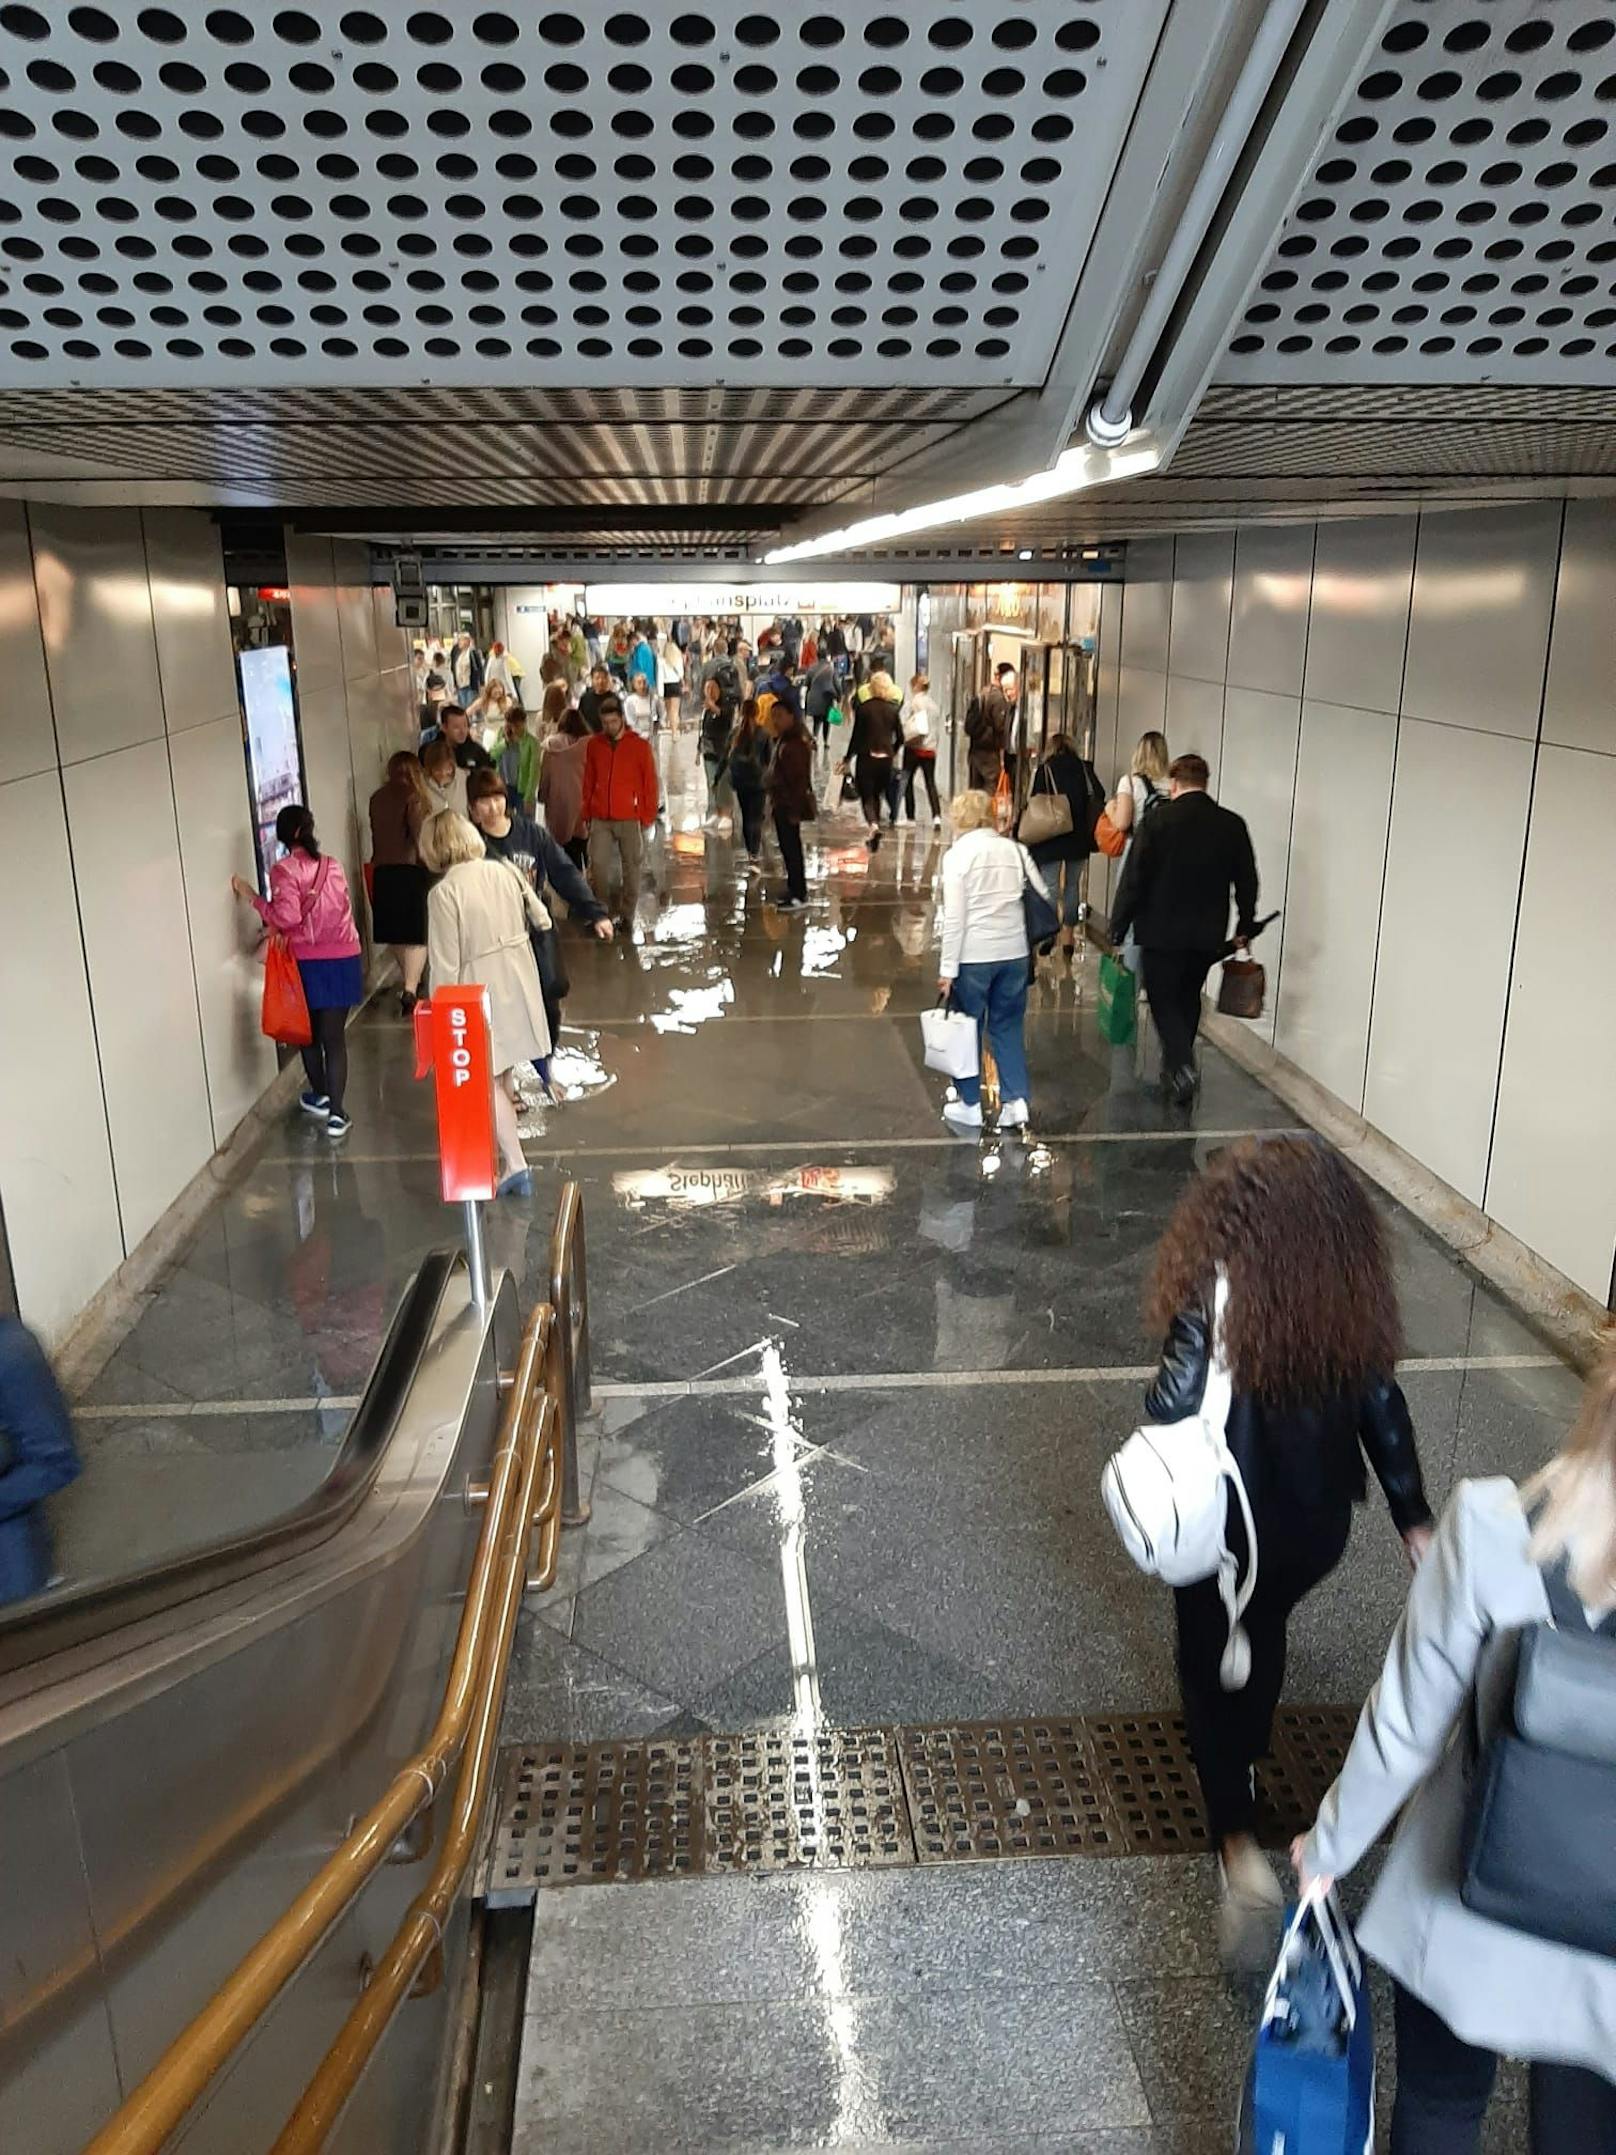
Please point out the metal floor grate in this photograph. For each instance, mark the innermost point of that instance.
(850, 1799)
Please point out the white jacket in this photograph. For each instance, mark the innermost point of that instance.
(983, 921)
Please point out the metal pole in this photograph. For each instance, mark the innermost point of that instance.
(476, 1255)
(1110, 417)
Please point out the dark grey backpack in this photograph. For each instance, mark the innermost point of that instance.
(1539, 1850)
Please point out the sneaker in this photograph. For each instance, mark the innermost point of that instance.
(518, 1185)
(965, 1121)
(1184, 1085)
(788, 904)
(1013, 1115)
(338, 1125)
(314, 1103)
(1251, 1912)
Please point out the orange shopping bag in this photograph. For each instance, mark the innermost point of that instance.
(1004, 808)
(286, 1009)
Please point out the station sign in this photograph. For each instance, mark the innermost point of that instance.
(662, 600)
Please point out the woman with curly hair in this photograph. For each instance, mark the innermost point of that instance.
(1311, 1336)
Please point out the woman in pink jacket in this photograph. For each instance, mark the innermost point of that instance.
(308, 903)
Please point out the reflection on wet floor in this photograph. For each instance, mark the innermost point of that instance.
(731, 1185)
(848, 1233)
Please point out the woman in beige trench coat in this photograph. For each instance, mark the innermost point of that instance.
(478, 915)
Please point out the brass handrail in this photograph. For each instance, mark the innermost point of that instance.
(525, 1462)
(419, 1938)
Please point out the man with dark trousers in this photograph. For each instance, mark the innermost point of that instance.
(1174, 894)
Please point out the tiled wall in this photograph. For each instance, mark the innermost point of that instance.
(128, 981)
(1417, 717)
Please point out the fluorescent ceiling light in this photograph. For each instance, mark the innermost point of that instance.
(1071, 472)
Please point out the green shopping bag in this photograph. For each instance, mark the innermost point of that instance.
(1117, 1002)
(834, 714)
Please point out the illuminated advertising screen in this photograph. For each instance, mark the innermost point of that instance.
(274, 762)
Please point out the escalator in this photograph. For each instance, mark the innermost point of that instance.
(240, 1791)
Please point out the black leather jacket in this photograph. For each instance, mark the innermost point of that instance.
(1300, 1459)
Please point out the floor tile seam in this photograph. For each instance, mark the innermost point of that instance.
(675, 1153)
(962, 1987)
(630, 1676)
(828, 1382)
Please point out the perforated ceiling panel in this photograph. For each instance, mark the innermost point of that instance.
(1460, 224)
(454, 194)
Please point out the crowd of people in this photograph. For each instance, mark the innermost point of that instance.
(1273, 1274)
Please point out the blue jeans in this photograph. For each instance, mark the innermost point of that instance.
(996, 996)
(1064, 878)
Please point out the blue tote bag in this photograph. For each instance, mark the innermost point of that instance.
(1311, 2088)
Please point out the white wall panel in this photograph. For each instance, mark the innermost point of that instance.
(328, 767)
(1109, 655)
(1363, 572)
(120, 813)
(1479, 631)
(315, 631)
(1579, 708)
(210, 800)
(1553, 1175)
(1194, 722)
(1257, 779)
(96, 617)
(1459, 808)
(1332, 894)
(356, 609)
(56, 1181)
(1141, 708)
(27, 737)
(1203, 585)
(1147, 602)
(1273, 570)
(185, 566)
(392, 642)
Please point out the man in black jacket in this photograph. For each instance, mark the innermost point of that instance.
(1174, 894)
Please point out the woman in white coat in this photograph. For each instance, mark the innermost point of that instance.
(1469, 1987)
(478, 915)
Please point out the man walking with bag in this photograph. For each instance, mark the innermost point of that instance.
(1182, 866)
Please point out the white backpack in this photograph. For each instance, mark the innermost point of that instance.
(1167, 1492)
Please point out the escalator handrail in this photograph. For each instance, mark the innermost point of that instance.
(192, 2062)
(36, 1630)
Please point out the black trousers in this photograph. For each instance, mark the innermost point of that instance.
(1173, 981)
(325, 1059)
(870, 774)
(926, 768)
(1443, 2086)
(1230, 1730)
(789, 832)
(751, 807)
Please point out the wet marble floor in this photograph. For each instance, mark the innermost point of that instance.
(855, 1381)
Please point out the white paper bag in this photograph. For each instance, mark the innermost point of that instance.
(951, 1041)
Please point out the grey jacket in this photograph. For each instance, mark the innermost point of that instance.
(1457, 1642)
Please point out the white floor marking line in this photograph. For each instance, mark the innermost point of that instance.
(166, 1410)
(838, 1145)
(888, 1380)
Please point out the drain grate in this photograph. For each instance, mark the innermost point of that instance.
(778, 1800)
(573, 1814)
(1018, 1788)
(1145, 1760)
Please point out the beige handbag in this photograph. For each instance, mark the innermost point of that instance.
(1046, 815)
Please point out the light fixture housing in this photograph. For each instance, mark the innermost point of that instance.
(1071, 473)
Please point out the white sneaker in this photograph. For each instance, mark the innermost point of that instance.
(1251, 1913)
(966, 1121)
(1013, 1115)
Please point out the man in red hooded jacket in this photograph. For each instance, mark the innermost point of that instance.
(620, 805)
